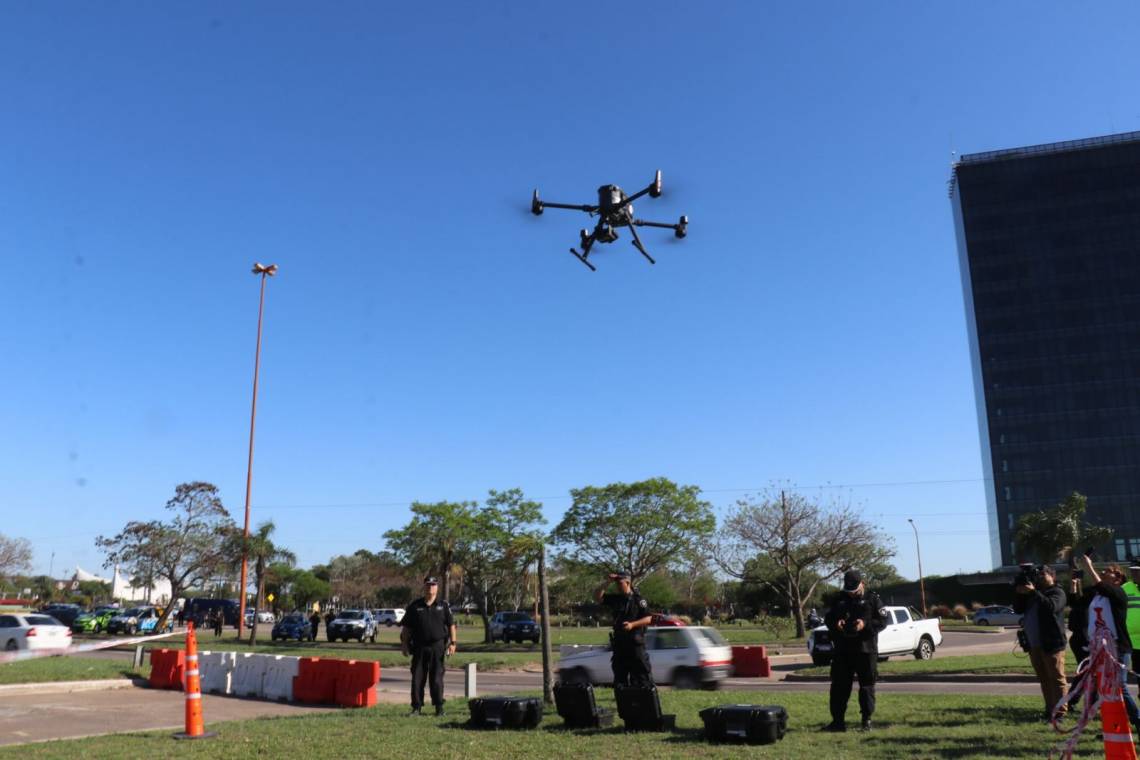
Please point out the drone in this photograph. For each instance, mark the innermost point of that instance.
(615, 209)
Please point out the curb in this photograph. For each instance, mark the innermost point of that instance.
(931, 678)
(63, 687)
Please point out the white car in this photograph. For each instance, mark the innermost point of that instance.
(389, 617)
(687, 657)
(997, 615)
(907, 632)
(263, 617)
(33, 632)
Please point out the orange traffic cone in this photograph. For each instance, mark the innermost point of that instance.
(1117, 733)
(195, 728)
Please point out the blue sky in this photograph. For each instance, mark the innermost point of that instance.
(426, 339)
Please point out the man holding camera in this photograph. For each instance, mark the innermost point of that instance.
(854, 622)
(631, 615)
(1042, 602)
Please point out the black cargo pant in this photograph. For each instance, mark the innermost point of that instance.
(631, 666)
(845, 666)
(427, 665)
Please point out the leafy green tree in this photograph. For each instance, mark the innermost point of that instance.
(1048, 535)
(187, 550)
(306, 588)
(659, 590)
(431, 541)
(805, 542)
(635, 527)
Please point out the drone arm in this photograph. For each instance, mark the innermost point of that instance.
(662, 225)
(680, 229)
(570, 206)
(653, 190)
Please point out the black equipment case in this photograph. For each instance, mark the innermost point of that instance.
(576, 705)
(755, 724)
(505, 712)
(640, 708)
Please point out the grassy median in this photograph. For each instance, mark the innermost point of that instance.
(907, 726)
(47, 669)
(981, 664)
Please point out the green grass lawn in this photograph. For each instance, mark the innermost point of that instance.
(67, 669)
(982, 663)
(907, 726)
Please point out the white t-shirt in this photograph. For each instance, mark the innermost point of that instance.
(1100, 604)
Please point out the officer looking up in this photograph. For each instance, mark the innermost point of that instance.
(631, 617)
(854, 622)
(428, 635)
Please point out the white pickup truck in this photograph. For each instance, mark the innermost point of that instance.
(907, 632)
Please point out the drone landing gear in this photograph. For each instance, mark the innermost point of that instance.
(582, 257)
(637, 241)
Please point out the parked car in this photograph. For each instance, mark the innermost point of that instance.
(293, 626)
(137, 620)
(265, 617)
(95, 621)
(521, 629)
(500, 620)
(33, 631)
(687, 657)
(64, 613)
(352, 624)
(389, 617)
(997, 615)
(907, 632)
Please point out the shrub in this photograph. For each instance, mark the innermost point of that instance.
(960, 612)
(940, 610)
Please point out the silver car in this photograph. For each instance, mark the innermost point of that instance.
(997, 615)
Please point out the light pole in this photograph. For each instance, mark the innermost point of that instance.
(918, 551)
(264, 271)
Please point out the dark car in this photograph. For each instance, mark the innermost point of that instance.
(520, 627)
(294, 626)
(64, 613)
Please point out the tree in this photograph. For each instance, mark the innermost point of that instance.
(15, 555)
(306, 588)
(806, 542)
(261, 553)
(500, 542)
(635, 527)
(187, 550)
(432, 539)
(1048, 535)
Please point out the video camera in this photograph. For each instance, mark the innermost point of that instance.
(1028, 574)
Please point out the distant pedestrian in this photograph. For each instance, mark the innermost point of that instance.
(218, 621)
(314, 623)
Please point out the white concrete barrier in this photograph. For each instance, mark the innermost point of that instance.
(279, 674)
(216, 670)
(249, 675)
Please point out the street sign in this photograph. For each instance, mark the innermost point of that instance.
(270, 597)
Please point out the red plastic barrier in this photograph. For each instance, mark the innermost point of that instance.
(167, 668)
(316, 680)
(356, 685)
(750, 662)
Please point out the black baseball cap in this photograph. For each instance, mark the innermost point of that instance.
(431, 581)
(621, 576)
(851, 580)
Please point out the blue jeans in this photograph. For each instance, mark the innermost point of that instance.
(1129, 700)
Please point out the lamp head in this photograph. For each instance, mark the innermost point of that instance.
(259, 268)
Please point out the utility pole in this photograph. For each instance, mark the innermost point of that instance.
(918, 551)
(264, 271)
(547, 675)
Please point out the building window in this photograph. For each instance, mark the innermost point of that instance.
(1005, 465)
(1008, 493)
(1120, 550)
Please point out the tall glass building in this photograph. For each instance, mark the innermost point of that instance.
(1049, 249)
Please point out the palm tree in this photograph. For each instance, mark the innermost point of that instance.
(262, 553)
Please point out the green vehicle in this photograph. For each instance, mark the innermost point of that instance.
(95, 621)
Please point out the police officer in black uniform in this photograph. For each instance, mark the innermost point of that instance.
(428, 635)
(631, 617)
(854, 622)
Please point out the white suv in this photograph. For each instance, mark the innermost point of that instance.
(389, 617)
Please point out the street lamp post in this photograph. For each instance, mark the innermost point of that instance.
(918, 551)
(264, 271)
